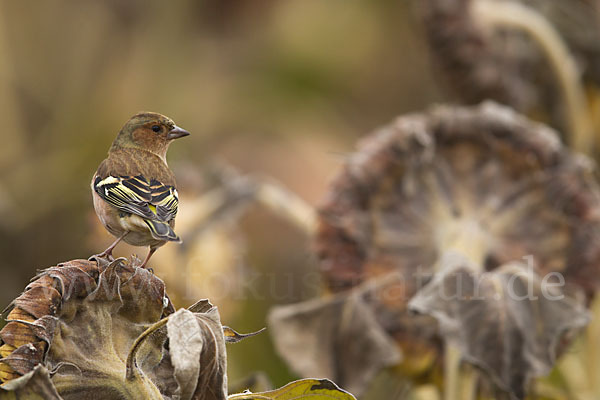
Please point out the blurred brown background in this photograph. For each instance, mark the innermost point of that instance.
(277, 88)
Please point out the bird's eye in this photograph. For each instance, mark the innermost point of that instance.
(156, 128)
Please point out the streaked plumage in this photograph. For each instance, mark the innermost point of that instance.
(134, 191)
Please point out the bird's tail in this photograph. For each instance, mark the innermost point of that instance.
(162, 231)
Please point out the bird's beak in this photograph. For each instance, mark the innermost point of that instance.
(177, 133)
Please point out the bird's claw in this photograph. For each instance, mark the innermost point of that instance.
(103, 259)
(104, 256)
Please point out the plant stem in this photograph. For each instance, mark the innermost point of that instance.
(451, 372)
(592, 354)
(131, 367)
(460, 381)
(240, 192)
(287, 205)
(519, 16)
(468, 383)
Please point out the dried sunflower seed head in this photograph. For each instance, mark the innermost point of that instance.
(110, 332)
(529, 54)
(480, 182)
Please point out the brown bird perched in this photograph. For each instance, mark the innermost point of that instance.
(133, 189)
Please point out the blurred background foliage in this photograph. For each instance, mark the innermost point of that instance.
(273, 88)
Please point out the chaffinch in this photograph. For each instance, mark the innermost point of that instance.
(134, 190)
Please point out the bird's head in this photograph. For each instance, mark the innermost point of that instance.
(149, 131)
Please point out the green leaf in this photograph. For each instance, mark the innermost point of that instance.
(313, 389)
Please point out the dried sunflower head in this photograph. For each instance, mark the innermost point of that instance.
(481, 181)
(541, 57)
(99, 328)
(107, 330)
(481, 184)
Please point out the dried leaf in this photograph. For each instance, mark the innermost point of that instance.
(314, 389)
(212, 383)
(504, 321)
(35, 385)
(339, 338)
(196, 347)
(24, 358)
(185, 348)
(232, 336)
(200, 306)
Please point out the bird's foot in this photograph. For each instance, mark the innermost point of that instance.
(102, 258)
(107, 256)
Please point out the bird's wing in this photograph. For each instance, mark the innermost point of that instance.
(150, 200)
(165, 199)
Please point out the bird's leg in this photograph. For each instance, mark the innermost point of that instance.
(152, 250)
(108, 252)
